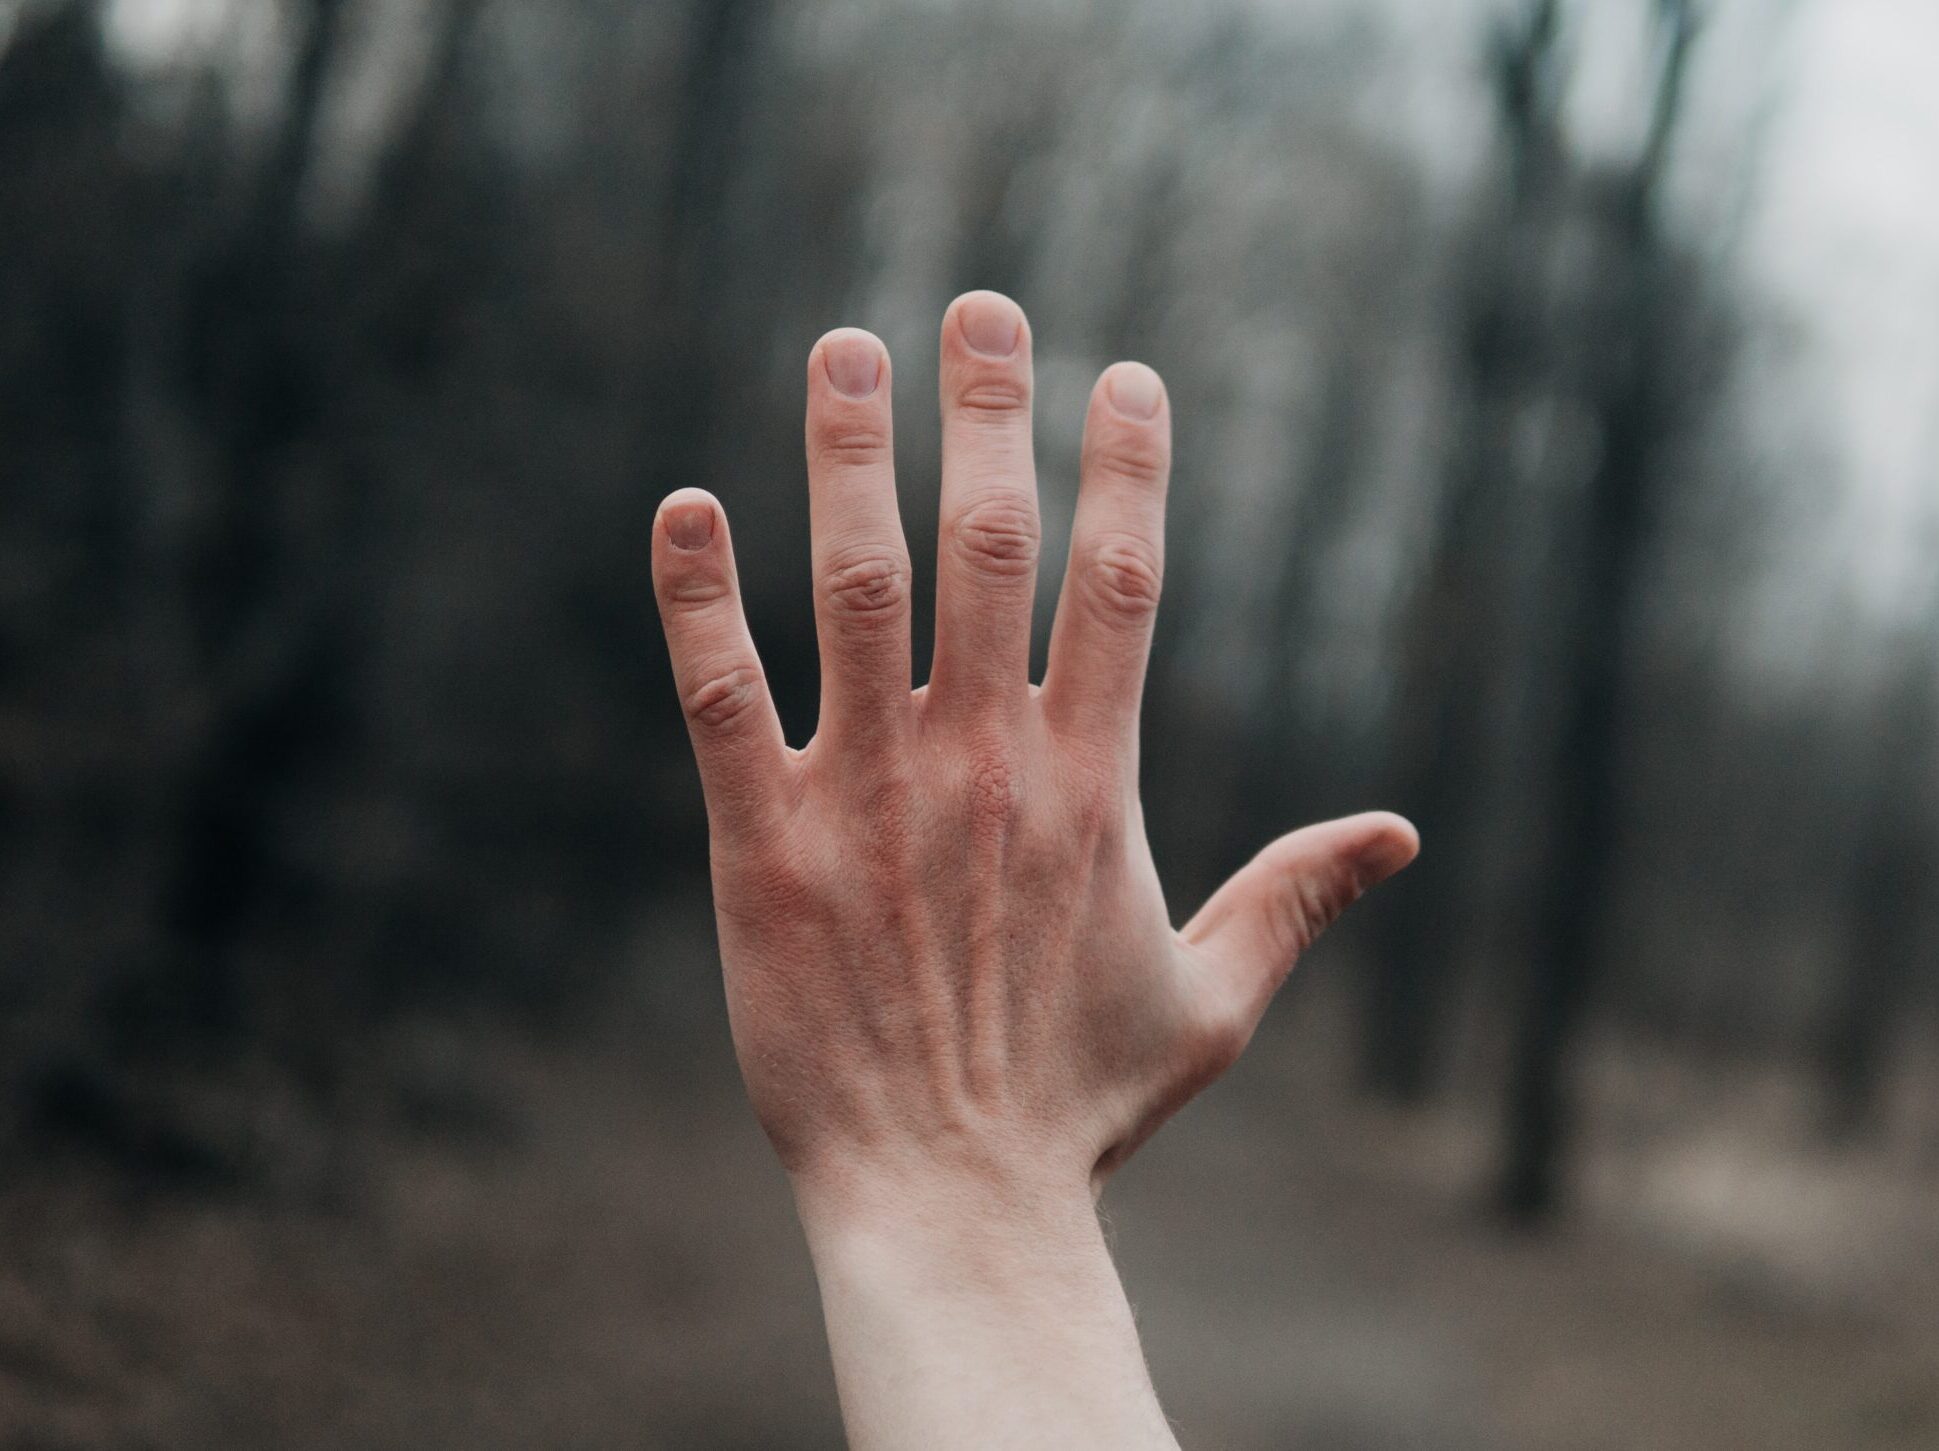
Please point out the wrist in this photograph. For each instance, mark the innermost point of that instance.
(975, 1219)
(986, 1304)
(958, 1226)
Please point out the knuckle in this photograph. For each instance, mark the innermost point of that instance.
(850, 443)
(998, 537)
(867, 585)
(1125, 577)
(1304, 907)
(998, 396)
(724, 701)
(1094, 799)
(992, 788)
(1092, 815)
(1132, 456)
(696, 591)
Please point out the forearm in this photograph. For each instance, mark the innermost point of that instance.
(965, 1318)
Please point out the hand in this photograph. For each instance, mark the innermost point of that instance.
(945, 945)
(950, 970)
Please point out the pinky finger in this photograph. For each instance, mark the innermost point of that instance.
(737, 739)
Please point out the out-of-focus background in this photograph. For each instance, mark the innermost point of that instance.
(1558, 396)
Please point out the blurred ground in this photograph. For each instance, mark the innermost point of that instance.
(572, 1257)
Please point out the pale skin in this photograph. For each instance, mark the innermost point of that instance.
(956, 993)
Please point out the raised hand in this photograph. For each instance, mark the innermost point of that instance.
(951, 974)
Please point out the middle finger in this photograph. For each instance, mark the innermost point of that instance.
(986, 568)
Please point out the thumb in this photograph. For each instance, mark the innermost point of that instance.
(1271, 909)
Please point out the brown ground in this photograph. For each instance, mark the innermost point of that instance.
(622, 1271)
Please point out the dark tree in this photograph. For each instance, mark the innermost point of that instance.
(1887, 893)
(1640, 305)
(1460, 627)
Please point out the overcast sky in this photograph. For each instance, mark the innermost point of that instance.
(1847, 232)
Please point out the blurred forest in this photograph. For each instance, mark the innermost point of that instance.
(346, 347)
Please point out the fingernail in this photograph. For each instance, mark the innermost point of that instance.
(1385, 855)
(854, 364)
(992, 324)
(690, 526)
(1135, 390)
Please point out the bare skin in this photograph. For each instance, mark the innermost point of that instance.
(956, 993)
